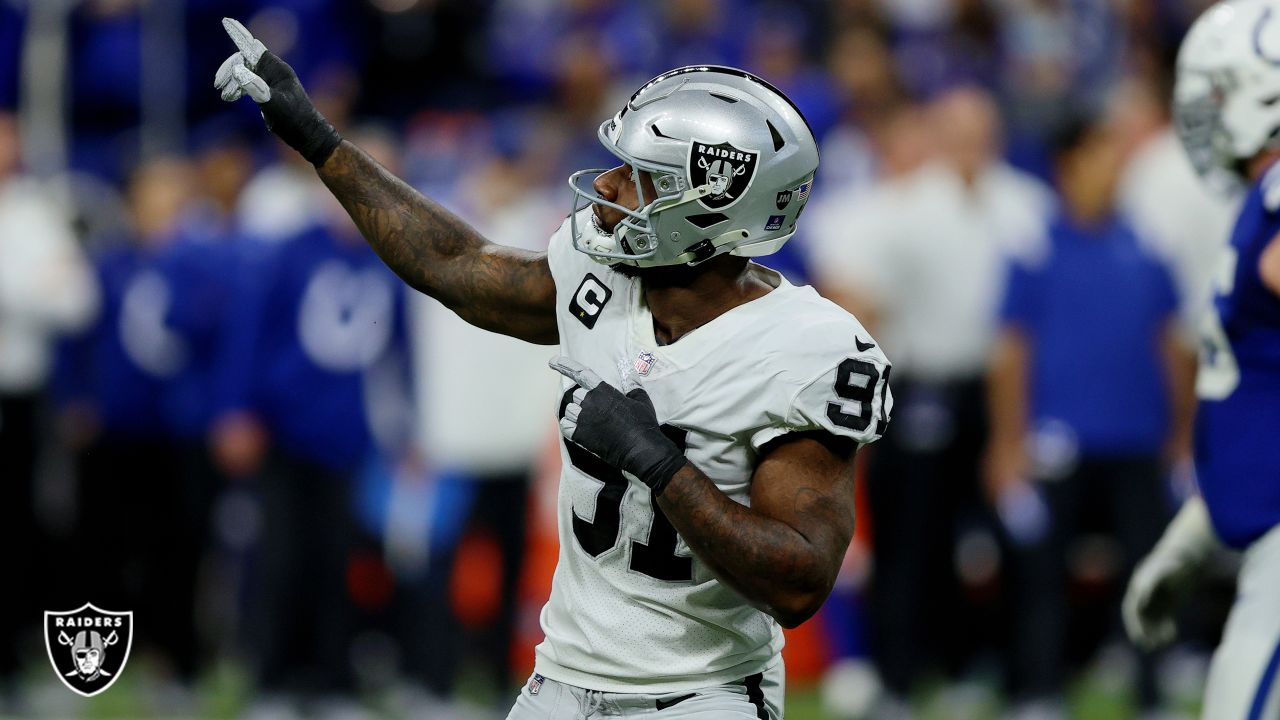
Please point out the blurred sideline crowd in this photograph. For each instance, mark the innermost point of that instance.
(218, 409)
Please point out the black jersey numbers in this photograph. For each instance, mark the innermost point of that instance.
(856, 384)
(657, 557)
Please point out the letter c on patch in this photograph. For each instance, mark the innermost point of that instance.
(589, 299)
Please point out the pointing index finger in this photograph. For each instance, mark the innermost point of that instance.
(250, 47)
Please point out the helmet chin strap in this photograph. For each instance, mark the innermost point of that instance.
(709, 248)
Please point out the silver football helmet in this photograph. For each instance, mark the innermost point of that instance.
(731, 159)
(1225, 105)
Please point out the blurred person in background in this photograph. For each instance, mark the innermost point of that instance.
(47, 289)
(281, 199)
(309, 381)
(526, 45)
(1227, 120)
(922, 257)
(778, 47)
(113, 380)
(1187, 222)
(1090, 402)
(701, 31)
(482, 460)
(861, 147)
(200, 266)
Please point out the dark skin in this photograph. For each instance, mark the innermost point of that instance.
(783, 552)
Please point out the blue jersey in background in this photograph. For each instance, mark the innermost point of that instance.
(121, 366)
(1238, 423)
(1094, 312)
(200, 267)
(315, 318)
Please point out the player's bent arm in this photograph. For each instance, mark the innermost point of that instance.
(498, 288)
(784, 551)
(1179, 355)
(1269, 265)
(1007, 383)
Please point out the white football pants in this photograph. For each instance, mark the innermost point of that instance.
(1242, 681)
(758, 697)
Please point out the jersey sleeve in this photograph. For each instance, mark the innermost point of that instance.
(850, 398)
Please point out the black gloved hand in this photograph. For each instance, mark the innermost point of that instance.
(623, 430)
(290, 114)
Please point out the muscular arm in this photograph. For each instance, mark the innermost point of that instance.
(784, 551)
(1269, 265)
(502, 289)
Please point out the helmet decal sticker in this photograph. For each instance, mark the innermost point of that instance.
(729, 171)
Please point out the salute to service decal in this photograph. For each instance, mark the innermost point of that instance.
(88, 647)
(728, 170)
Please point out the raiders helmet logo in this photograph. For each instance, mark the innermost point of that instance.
(88, 646)
(729, 171)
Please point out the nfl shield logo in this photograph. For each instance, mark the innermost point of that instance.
(88, 646)
(644, 363)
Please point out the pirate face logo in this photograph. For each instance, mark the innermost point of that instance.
(727, 169)
(88, 647)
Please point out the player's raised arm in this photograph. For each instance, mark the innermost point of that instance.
(494, 287)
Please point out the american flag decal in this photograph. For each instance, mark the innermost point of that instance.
(802, 192)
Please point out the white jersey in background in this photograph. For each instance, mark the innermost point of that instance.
(631, 609)
(930, 253)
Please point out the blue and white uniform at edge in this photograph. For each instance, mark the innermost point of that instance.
(1224, 108)
(1238, 422)
(1237, 458)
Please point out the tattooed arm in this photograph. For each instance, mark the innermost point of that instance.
(497, 288)
(785, 549)
(491, 286)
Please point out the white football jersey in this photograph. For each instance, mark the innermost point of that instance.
(631, 608)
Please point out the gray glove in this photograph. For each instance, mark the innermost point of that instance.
(1164, 576)
(622, 430)
(257, 72)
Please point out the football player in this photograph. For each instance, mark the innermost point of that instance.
(711, 410)
(1227, 116)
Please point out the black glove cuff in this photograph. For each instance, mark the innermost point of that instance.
(292, 116)
(321, 144)
(659, 476)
